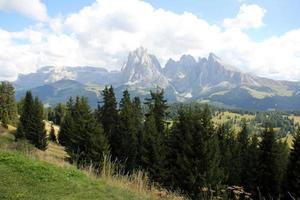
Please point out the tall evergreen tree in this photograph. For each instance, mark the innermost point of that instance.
(250, 180)
(227, 145)
(138, 119)
(26, 117)
(152, 157)
(157, 106)
(241, 155)
(207, 146)
(180, 156)
(293, 170)
(37, 133)
(8, 106)
(127, 133)
(107, 115)
(82, 135)
(193, 154)
(269, 182)
(31, 125)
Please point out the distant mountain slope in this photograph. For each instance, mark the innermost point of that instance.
(187, 79)
(60, 91)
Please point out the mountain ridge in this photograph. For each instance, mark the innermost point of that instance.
(186, 79)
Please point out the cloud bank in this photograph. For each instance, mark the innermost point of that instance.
(34, 9)
(103, 33)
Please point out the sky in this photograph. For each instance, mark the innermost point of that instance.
(261, 37)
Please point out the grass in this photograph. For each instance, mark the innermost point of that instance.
(28, 173)
(23, 177)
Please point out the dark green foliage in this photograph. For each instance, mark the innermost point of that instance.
(82, 135)
(269, 177)
(52, 136)
(193, 155)
(38, 135)
(293, 170)
(152, 157)
(250, 176)
(8, 106)
(57, 114)
(157, 106)
(107, 115)
(31, 125)
(26, 116)
(227, 145)
(128, 132)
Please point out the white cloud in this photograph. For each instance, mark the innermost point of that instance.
(249, 16)
(34, 9)
(103, 33)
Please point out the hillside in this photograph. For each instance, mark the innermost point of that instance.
(22, 177)
(28, 173)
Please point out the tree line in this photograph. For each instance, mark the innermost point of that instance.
(188, 153)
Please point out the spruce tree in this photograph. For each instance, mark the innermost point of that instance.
(152, 157)
(138, 119)
(227, 145)
(157, 105)
(8, 106)
(37, 134)
(82, 135)
(127, 133)
(31, 125)
(293, 170)
(207, 146)
(250, 176)
(68, 124)
(269, 182)
(241, 164)
(107, 115)
(180, 156)
(26, 117)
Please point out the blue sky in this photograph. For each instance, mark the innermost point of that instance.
(281, 15)
(257, 36)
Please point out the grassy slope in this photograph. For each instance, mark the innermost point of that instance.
(28, 173)
(23, 177)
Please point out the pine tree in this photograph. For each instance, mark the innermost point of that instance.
(207, 146)
(37, 134)
(227, 145)
(68, 124)
(138, 119)
(8, 106)
(26, 117)
(293, 170)
(251, 173)
(59, 113)
(241, 165)
(82, 135)
(152, 154)
(31, 125)
(157, 105)
(127, 133)
(180, 156)
(269, 182)
(52, 136)
(107, 115)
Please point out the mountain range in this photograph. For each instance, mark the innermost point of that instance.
(185, 80)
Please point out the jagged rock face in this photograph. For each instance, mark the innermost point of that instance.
(186, 79)
(143, 70)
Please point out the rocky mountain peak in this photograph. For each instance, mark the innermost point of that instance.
(143, 69)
